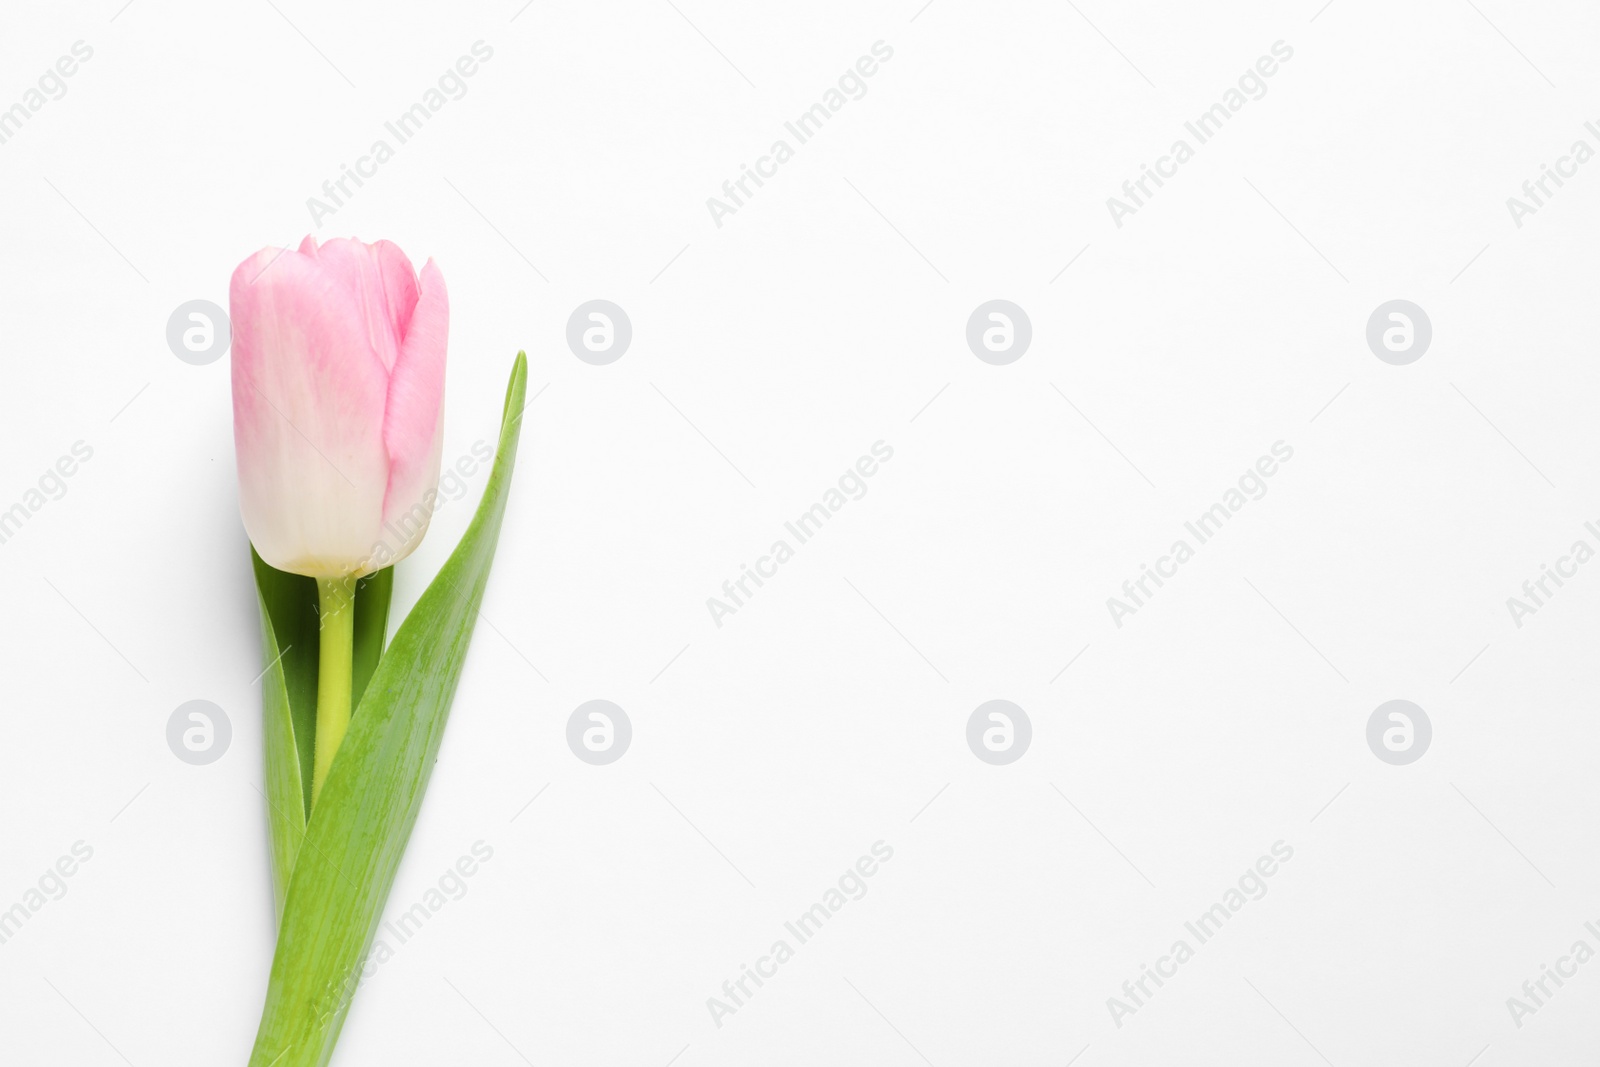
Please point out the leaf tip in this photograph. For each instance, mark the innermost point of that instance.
(515, 389)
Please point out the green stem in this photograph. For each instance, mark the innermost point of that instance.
(337, 605)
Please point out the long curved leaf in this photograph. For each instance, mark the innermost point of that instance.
(289, 707)
(363, 818)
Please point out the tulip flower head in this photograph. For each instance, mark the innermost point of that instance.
(338, 391)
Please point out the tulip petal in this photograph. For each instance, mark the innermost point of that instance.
(381, 279)
(413, 423)
(308, 395)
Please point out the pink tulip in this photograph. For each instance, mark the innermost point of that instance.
(338, 390)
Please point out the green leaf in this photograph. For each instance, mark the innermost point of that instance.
(373, 594)
(289, 646)
(289, 708)
(369, 803)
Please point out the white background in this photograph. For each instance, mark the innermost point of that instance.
(830, 712)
